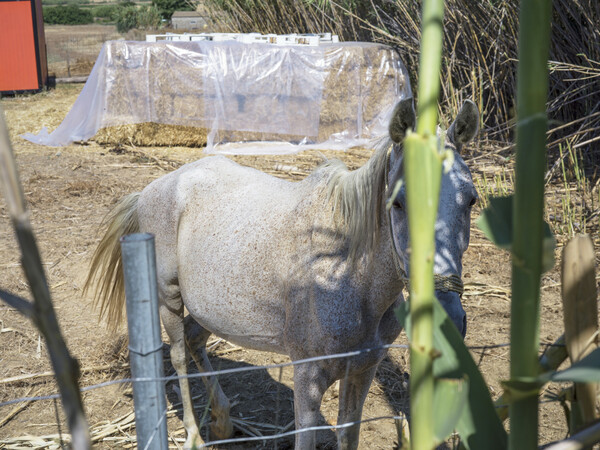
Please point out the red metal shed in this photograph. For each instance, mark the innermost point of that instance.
(23, 64)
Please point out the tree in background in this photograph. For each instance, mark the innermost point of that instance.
(148, 18)
(143, 18)
(67, 15)
(106, 13)
(168, 7)
(126, 19)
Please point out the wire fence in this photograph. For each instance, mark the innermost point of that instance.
(72, 51)
(282, 432)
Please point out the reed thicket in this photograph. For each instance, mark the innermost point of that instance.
(479, 55)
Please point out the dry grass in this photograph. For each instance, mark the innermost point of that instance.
(153, 135)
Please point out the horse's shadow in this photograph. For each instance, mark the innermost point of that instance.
(393, 381)
(260, 405)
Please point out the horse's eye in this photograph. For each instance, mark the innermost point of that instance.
(473, 202)
(398, 205)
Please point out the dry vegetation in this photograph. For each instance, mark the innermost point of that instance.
(70, 189)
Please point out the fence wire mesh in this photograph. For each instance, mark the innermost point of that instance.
(251, 437)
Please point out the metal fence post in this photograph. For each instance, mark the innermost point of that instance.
(145, 345)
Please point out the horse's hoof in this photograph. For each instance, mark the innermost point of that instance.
(193, 441)
(221, 429)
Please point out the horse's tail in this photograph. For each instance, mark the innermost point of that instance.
(106, 268)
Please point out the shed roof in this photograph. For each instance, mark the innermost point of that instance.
(180, 14)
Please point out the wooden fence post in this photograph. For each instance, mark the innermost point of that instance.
(580, 311)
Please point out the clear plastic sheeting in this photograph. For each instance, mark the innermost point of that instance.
(235, 97)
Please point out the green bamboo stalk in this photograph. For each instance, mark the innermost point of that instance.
(528, 207)
(430, 63)
(423, 177)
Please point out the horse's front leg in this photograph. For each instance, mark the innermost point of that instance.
(172, 319)
(353, 391)
(310, 383)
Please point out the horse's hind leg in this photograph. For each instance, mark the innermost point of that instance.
(353, 391)
(196, 337)
(171, 313)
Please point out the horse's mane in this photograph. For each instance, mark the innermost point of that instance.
(358, 197)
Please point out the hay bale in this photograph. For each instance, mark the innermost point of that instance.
(151, 134)
(171, 99)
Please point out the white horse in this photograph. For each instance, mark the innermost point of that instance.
(304, 269)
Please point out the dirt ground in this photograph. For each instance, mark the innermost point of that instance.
(70, 189)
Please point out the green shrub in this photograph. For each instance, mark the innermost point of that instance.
(106, 12)
(67, 15)
(148, 18)
(143, 18)
(126, 19)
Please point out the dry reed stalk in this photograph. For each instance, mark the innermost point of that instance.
(17, 409)
(34, 376)
(41, 311)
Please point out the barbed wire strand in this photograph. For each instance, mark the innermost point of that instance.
(280, 366)
(245, 369)
(301, 430)
(247, 439)
(213, 372)
(315, 428)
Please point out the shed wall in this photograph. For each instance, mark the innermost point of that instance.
(23, 65)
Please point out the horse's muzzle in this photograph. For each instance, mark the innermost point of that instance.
(453, 306)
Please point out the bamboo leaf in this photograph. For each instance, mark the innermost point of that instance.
(479, 425)
(496, 223)
(403, 316)
(477, 422)
(449, 399)
(586, 370)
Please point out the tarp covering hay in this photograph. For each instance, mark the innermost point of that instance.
(221, 94)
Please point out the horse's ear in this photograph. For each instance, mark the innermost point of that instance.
(403, 118)
(466, 125)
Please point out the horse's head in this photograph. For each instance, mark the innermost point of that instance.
(457, 197)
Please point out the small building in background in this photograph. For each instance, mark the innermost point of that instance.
(23, 63)
(188, 20)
